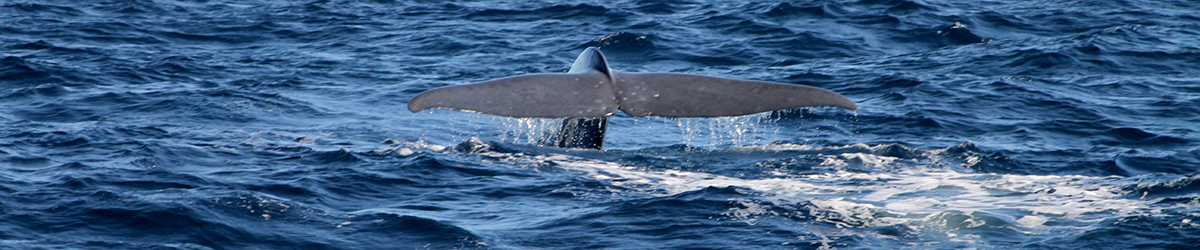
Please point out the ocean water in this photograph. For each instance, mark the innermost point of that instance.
(253, 124)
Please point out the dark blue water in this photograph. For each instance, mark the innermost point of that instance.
(152, 124)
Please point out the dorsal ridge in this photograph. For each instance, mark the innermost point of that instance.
(591, 59)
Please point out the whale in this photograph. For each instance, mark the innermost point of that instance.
(591, 91)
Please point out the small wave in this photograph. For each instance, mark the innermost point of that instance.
(226, 213)
(1036, 61)
(132, 8)
(1132, 49)
(807, 45)
(340, 156)
(1153, 186)
(39, 45)
(664, 7)
(386, 229)
(957, 34)
(57, 10)
(17, 70)
(789, 10)
(173, 65)
(1125, 135)
(971, 157)
(57, 112)
(622, 42)
(1136, 163)
(560, 11)
(892, 83)
(45, 90)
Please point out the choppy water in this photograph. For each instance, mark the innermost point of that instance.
(282, 124)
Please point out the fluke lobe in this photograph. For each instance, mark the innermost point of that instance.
(591, 91)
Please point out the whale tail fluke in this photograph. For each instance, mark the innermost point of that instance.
(591, 91)
(586, 94)
(683, 95)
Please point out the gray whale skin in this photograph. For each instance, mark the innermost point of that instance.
(591, 91)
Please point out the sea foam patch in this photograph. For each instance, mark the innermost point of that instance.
(856, 192)
(920, 199)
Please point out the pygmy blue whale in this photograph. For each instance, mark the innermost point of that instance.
(591, 91)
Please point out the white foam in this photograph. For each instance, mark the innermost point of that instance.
(406, 148)
(912, 198)
(857, 189)
(1032, 220)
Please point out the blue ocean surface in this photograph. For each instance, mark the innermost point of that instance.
(254, 124)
